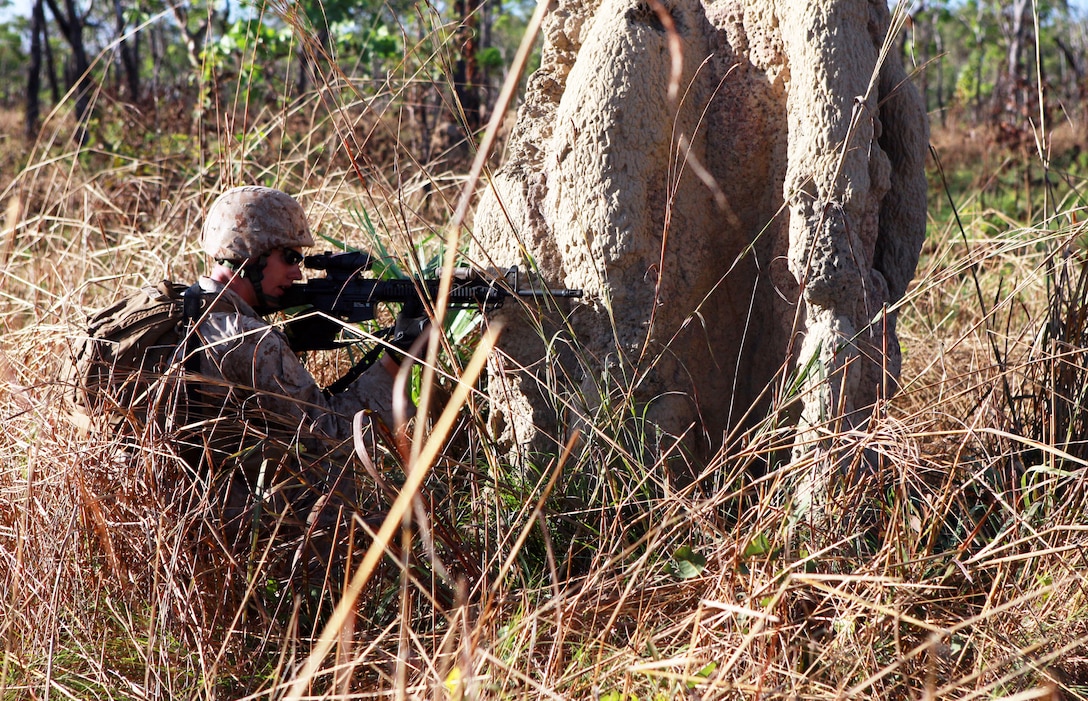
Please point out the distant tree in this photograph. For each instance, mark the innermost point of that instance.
(13, 61)
(466, 71)
(195, 21)
(1012, 94)
(72, 20)
(321, 16)
(1009, 64)
(1073, 70)
(130, 51)
(34, 69)
(270, 52)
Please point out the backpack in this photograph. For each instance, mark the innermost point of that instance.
(115, 368)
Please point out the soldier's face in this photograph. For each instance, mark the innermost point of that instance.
(280, 272)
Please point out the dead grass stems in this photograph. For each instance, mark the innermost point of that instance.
(954, 568)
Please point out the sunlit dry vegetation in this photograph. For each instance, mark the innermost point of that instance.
(954, 569)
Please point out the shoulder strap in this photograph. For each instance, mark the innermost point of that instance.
(354, 373)
(192, 301)
(192, 306)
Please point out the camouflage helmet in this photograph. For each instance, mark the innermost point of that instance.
(247, 222)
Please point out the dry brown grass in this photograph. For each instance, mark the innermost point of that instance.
(952, 569)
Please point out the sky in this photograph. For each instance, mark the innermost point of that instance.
(18, 7)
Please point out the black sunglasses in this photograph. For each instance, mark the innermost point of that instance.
(292, 257)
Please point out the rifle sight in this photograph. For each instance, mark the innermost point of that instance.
(347, 262)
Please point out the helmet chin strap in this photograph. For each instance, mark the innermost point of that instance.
(254, 273)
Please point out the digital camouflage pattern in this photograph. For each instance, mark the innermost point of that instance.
(247, 222)
(252, 382)
(277, 448)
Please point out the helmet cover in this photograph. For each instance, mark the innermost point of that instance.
(247, 222)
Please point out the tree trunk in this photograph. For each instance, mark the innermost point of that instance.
(488, 10)
(939, 50)
(34, 70)
(194, 41)
(466, 71)
(77, 75)
(303, 82)
(1073, 83)
(129, 56)
(1010, 107)
(979, 53)
(419, 109)
(308, 59)
(1022, 28)
(1018, 39)
(50, 63)
(922, 29)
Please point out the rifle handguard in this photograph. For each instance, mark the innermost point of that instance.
(347, 294)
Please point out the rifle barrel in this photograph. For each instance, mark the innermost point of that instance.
(561, 292)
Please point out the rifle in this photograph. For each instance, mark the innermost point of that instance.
(344, 293)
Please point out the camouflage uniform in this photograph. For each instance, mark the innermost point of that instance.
(276, 449)
(248, 368)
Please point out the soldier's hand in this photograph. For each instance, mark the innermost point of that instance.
(311, 332)
(411, 323)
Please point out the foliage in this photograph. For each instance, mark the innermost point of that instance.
(205, 53)
(12, 59)
(977, 60)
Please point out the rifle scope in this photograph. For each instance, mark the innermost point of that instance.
(346, 262)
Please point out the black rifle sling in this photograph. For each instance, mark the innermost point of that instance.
(354, 373)
(192, 306)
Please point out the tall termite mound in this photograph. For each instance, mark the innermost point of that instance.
(738, 187)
